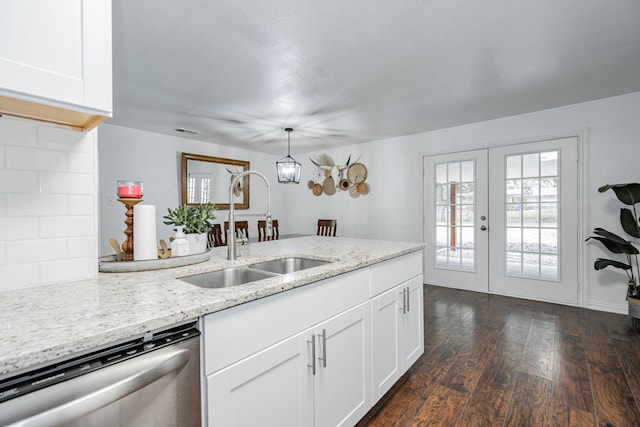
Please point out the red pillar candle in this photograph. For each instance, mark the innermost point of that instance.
(129, 189)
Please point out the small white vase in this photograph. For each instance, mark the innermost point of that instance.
(197, 242)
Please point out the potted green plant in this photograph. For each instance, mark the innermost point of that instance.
(195, 222)
(629, 195)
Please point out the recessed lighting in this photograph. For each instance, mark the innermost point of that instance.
(187, 131)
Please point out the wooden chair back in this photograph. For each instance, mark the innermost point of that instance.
(262, 230)
(242, 229)
(214, 237)
(327, 227)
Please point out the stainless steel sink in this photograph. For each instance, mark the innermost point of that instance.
(287, 265)
(227, 278)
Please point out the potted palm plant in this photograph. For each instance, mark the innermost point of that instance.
(195, 222)
(629, 195)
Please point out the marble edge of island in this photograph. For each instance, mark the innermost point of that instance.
(52, 322)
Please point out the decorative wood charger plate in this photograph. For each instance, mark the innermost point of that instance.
(357, 173)
(108, 264)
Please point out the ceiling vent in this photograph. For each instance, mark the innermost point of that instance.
(187, 131)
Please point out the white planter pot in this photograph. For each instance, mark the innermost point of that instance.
(197, 243)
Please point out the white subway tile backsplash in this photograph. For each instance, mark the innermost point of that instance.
(20, 251)
(68, 269)
(81, 205)
(66, 226)
(12, 181)
(81, 162)
(48, 214)
(79, 247)
(37, 204)
(34, 159)
(19, 276)
(21, 132)
(18, 228)
(66, 183)
(55, 138)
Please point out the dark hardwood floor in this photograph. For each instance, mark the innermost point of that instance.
(497, 361)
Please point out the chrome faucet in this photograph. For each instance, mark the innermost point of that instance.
(231, 233)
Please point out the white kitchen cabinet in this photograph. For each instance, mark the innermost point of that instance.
(55, 61)
(270, 388)
(341, 383)
(397, 332)
(352, 329)
(315, 378)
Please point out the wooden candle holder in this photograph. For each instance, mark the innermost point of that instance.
(127, 245)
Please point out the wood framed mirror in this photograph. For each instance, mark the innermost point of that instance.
(207, 179)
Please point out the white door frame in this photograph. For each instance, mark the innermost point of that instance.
(583, 136)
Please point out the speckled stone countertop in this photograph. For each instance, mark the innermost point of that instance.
(44, 323)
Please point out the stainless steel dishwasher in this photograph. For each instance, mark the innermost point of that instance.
(150, 381)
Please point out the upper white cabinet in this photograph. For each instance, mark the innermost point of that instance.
(55, 61)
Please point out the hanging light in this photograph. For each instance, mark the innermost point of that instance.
(288, 168)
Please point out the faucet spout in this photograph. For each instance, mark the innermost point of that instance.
(231, 233)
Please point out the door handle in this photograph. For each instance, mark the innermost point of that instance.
(313, 354)
(324, 348)
(483, 227)
(408, 301)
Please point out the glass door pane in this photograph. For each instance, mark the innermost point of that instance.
(531, 211)
(455, 207)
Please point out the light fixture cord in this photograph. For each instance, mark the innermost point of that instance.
(288, 143)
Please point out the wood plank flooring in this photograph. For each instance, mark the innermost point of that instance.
(497, 361)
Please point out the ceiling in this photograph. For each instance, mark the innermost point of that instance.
(348, 71)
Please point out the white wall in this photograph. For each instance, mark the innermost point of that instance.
(155, 159)
(48, 209)
(610, 130)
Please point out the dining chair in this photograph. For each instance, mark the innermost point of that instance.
(327, 227)
(214, 237)
(262, 230)
(242, 229)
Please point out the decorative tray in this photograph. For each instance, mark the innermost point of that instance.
(108, 264)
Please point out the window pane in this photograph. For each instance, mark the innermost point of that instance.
(454, 172)
(530, 190)
(442, 194)
(441, 173)
(514, 167)
(530, 165)
(530, 240)
(549, 163)
(514, 263)
(549, 241)
(514, 239)
(467, 172)
(549, 189)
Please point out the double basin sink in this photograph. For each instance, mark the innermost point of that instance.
(252, 272)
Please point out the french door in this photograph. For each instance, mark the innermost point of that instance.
(504, 220)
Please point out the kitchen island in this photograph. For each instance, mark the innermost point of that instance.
(45, 323)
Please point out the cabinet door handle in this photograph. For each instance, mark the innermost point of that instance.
(313, 354)
(408, 299)
(404, 300)
(324, 348)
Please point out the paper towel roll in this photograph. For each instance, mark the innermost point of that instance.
(144, 232)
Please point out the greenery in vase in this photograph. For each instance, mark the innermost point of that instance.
(628, 194)
(194, 219)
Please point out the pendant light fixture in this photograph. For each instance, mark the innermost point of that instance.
(287, 167)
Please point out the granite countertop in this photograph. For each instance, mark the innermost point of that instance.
(45, 323)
